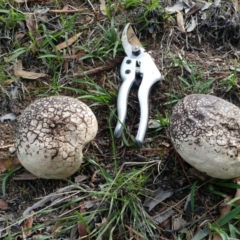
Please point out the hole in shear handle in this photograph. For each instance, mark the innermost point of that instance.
(128, 71)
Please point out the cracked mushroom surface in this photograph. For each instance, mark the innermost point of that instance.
(205, 131)
(51, 134)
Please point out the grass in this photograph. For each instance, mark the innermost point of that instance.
(112, 205)
(118, 202)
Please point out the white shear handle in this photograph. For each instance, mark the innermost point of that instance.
(143, 98)
(127, 73)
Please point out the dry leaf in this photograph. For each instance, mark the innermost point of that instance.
(19, 36)
(82, 231)
(192, 24)
(65, 7)
(80, 178)
(235, 2)
(25, 176)
(159, 196)
(57, 228)
(216, 237)
(24, 1)
(10, 163)
(85, 10)
(30, 75)
(198, 6)
(82, 228)
(134, 234)
(224, 209)
(180, 22)
(3, 204)
(69, 42)
(178, 6)
(24, 74)
(28, 222)
(31, 22)
(102, 224)
(103, 7)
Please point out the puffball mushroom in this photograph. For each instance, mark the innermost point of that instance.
(51, 134)
(205, 131)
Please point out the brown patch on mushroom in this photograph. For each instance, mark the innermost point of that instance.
(205, 131)
(51, 134)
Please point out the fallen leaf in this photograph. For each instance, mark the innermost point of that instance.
(197, 6)
(134, 234)
(25, 176)
(82, 228)
(24, 74)
(235, 2)
(30, 75)
(24, 1)
(80, 178)
(31, 22)
(85, 10)
(102, 224)
(103, 7)
(57, 228)
(65, 7)
(178, 6)
(27, 224)
(237, 194)
(154, 123)
(19, 36)
(159, 218)
(180, 22)
(216, 237)
(178, 223)
(224, 209)
(192, 24)
(3, 204)
(158, 197)
(6, 164)
(68, 43)
(82, 231)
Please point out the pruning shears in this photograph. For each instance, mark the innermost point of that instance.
(137, 67)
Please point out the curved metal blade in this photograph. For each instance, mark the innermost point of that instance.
(129, 39)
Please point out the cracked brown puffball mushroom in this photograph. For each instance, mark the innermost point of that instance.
(51, 134)
(205, 131)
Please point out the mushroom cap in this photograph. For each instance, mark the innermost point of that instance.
(205, 131)
(50, 136)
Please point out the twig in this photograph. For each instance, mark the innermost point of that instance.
(111, 65)
(68, 11)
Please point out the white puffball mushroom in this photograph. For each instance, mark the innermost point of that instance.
(51, 134)
(205, 131)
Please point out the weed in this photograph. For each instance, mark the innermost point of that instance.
(231, 81)
(5, 176)
(117, 205)
(104, 47)
(173, 98)
(150, 13)
(123, 195)
(195, 84)
(94, 92)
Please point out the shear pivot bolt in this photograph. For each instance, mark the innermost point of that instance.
(135, 51)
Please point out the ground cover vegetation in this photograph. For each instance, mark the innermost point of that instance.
(73, 48)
